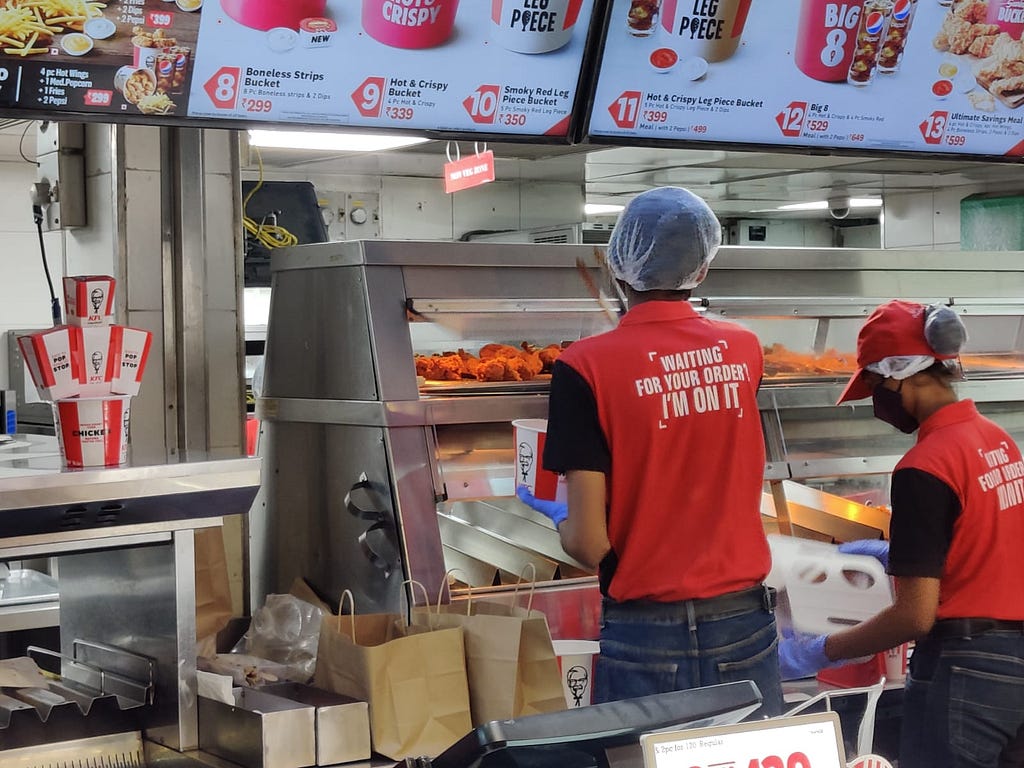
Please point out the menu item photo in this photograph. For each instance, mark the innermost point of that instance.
(874, 75)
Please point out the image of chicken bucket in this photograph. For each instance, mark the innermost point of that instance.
(410, 23)
(542, 27)
(93, 431)
(712, 31)
(576, 659)
(529, 435)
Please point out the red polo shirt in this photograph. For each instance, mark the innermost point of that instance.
(982, 466)
(666, 406)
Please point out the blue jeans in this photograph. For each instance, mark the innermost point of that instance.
(963, 704)
(660, 650)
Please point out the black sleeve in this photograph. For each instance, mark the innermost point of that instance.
(574, 438)
(923, 512)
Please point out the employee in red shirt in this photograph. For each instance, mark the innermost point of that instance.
(655, 425)
(955, 551)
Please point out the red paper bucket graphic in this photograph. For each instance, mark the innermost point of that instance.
(529, 444)
(93, 431)
(415, 24)
(267, 14)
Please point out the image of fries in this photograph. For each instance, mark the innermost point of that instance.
(21, 28)
(156, 104)
(19, 18)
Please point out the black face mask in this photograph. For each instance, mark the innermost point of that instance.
(889, 408)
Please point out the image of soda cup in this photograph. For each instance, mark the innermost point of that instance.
(181, 56)
(711, 31)
(874, 22)
(891, 53)
(163, 66)
(642, 18)
(826, 39)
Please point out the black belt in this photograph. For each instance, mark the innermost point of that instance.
(943, 629)
(762, 597)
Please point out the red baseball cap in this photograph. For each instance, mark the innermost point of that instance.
(896, 328)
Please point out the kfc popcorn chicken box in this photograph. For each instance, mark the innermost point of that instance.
(50, 358)
(529, 437)
(89, 299)
(132, 347)
(93, 431)
(95, 364)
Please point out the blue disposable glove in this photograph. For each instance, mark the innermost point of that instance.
(876, 548)
(556, 510)
(803, 655)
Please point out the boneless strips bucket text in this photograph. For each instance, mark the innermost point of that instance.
(529, 437)
(533, 27)
(93, 431)
(576, 662)
(410, 23)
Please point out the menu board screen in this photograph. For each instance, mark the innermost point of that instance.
(498, 67)
(936, 76)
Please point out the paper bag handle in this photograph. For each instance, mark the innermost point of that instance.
(413, 583)
(347, 595)
(444, 583)
(533, 585)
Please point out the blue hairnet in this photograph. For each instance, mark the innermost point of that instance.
(663, 240)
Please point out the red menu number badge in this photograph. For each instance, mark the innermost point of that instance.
(482, 104)
(369, 96)
(626, 109)
(933, 128)
(791, 119)
(222, 88)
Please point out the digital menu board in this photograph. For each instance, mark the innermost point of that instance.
(502, 67)
(933, 76)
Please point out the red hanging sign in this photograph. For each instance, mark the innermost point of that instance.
(470, 171)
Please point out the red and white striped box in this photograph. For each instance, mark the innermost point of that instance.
(89, 299)
(93, 431)
(51, 362)
(132, 348)
(97, 359)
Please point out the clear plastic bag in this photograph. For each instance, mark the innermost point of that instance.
(286, 631)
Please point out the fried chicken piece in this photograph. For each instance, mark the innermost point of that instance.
(532, 358)
(999, 69)
(495, 369)
(1007, 49)
(548, 355)
(448, 367)
(470, 363)
(982, 46)
(941, 41)
(494, 350)
(1010, 88)
(973, 11)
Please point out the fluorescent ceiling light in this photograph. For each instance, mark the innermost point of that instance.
(817, 205)
(822, 205)
(332, 142)
(596, 209)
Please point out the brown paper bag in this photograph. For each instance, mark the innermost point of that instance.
(413, 680)
(213, 588)
(510, 661)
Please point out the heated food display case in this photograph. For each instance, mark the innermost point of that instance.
(377, 473)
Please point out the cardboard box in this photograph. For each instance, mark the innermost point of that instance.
(98, 361)
(132, 348)
(51, 362)
(89, 300)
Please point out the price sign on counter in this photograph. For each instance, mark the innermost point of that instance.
(806, 741)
